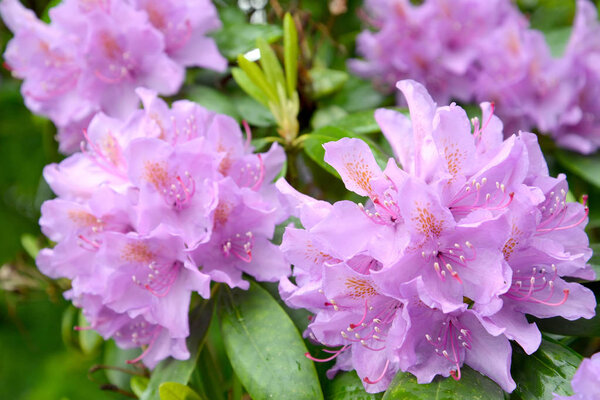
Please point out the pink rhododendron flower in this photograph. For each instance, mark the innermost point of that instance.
(155, 207)
(439, 267)
(586, 381)
(93, 55)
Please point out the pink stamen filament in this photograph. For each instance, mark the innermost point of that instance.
(261, 175)
(248, 133)
(174, 46)
(363, 317)
(107, 164)
(95, 244)
(372, 382)
(335, 354)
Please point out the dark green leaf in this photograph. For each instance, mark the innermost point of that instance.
(239, 38)
(548, 370)
(595, 260)
(138, 384)
(264, 347)
(290, 53)
(356, 95)
(581, 327)
(172, 370)
(176, 391)
(116, 357)
(214, 100)
(326, 81)
(587, 168)
(252, 111)
(471, 386)
(347, 386)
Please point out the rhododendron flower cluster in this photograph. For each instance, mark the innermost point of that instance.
(94, 53)
(155, 207)
(440, 266)
(586, 381)
(471, 50)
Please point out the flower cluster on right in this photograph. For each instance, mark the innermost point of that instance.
(470, 50)
(439, 267)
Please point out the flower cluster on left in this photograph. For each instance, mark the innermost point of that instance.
(94, 53)
(154, 208)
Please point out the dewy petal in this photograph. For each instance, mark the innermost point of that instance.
(354, 161)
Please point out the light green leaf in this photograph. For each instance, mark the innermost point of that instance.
(587, 168)
(177, 391)
(347, 386)
(549, 370)
(326, 81)
(89, 340)
(138, 384)
(270, 64)
(253, 112)
(290, 53)
(244, 81)
(258, 77)
(557, 40)
(180, 371)
(327, 116)
(264, 347)
(471, 386)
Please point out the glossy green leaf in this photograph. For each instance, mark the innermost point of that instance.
(176, 391)
(587, 168)
(326, 81)
(138, 384)
(270, 64)
(471, 386)
(548, 370)
(258, 77)
(180, 371)
(265, 348)
(290, 53)
(313, 146)
(89, 340)
(238, 38)
(581, 327)
(347, 386)
(213, 99)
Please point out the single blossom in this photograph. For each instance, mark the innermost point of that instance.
(460, 237)
(154, 208)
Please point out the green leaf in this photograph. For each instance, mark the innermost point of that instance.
(172, 370)
(138, 384)
(471, 386)
(587, 168)
(290, 53)
(548, 370)
(89, 340)
(116, 357)
(557, 40)
(270, 64)
(595, 260)
(580, 327)
(356, 95)
(253, 112)
(347, 386)
(313, 146)
(214, 100)
(258, 77)
(264, 347)
(327, 116)
(177, 391)
(238, 38)
(244, 81)
(326, 81)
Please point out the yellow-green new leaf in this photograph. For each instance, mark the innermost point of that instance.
(290, 53)
(270, 64)
(244, 81)
(257, 76)
(177, 391)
